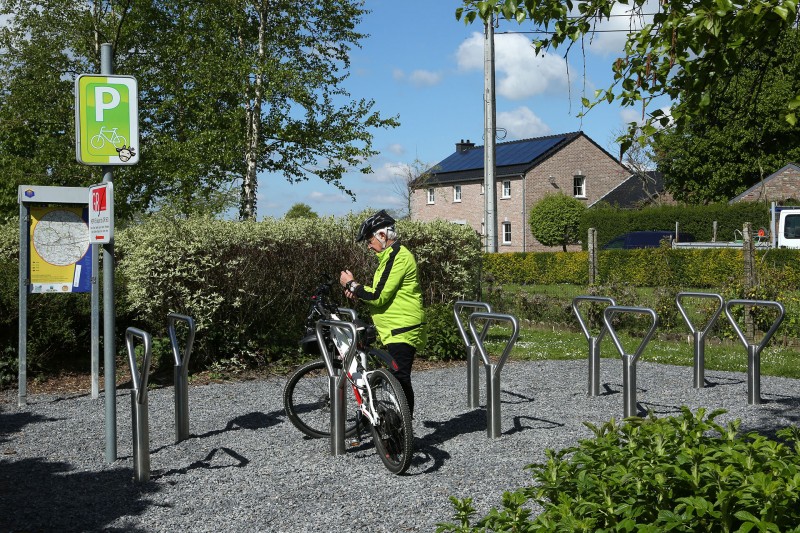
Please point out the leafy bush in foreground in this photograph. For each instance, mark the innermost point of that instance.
(684, 473)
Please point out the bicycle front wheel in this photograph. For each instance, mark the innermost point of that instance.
(394, 435)
(307, 402)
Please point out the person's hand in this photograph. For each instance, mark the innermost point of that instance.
(344, 277)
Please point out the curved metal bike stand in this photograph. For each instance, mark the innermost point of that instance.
(594, 342)
(699, 335)
(351, 313)
(492, 370)
(473, 396)
(629, 360)
(139, 416)
(754, 350)
(336, 381)
(181, 373)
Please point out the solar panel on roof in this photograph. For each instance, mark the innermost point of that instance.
(506, 154)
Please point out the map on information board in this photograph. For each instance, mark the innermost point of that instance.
(60, 261)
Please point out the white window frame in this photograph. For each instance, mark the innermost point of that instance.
(579, 189)
(506, 232)
(431, 195)
(506, 189)
(456, 193)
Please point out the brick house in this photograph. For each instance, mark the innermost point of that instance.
(781, 185)
(526, 171)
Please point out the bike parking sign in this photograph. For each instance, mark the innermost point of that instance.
(106, 120)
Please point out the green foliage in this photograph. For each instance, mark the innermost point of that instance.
(683, 473)
(538, 267)
(231, 89)
(698, 221)
(737, 142)
(247, 284)
(444, 341)
(300, 210)
(555, 220)
(663, 57)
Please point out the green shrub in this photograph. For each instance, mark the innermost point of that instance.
(444, 341)
(684, 473)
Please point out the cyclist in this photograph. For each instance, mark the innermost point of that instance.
(395, 296)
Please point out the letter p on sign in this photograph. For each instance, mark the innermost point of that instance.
(106, 120)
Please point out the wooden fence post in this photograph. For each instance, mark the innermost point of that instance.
(592, 245)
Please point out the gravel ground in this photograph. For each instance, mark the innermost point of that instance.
(246, 468)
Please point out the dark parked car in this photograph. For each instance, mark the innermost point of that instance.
(644, 239)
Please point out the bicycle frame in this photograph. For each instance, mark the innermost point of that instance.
(357, 374)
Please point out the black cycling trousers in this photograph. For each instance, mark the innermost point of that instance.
(403, 354)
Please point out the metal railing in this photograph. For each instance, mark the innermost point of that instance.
(699, 335)
(594, 342)
(473, 394)
(492, 369)
(337, 380)
(181, 372)
(754, 349)
(139, 415)
(628, 359)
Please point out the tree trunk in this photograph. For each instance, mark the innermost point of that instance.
(247, 207)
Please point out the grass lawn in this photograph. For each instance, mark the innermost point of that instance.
(534, 344)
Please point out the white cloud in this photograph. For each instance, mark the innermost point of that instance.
(396, 149)
(522, 123)
(386, 173)
(613, 32)
(332, 198)
(418, 78)
(519, 72)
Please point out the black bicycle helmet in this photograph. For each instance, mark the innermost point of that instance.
(379, 220)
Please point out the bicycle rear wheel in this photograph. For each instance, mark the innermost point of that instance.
(307, 402)
(394, 435)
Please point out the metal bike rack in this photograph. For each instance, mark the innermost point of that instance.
(336, 381)
(473, 396)
(629, 360)
(181, 373)
(139, 416)
(351, 313)
(699, 335)
(492, 370)
(594, 342)
(754, 350)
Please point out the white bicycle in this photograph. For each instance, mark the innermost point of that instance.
(109, 135)
(376, 394)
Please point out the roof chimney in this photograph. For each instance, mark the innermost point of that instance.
(464, 146)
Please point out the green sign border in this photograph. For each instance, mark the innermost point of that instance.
(100, 142)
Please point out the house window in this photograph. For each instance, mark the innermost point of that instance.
(431, 196)
(506, 189)
(506, 232)
(579, 186)
(483, 228)
(456, 193)
(483, 188)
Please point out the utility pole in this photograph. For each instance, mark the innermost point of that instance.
(489, 117)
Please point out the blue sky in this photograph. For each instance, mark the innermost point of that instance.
(424, 66)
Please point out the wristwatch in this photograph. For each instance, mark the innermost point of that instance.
(349, 285)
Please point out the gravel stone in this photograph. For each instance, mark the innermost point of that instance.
(246, 468)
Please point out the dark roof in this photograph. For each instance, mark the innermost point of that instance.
(792, 166)
(511, 158)
(636, 190)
